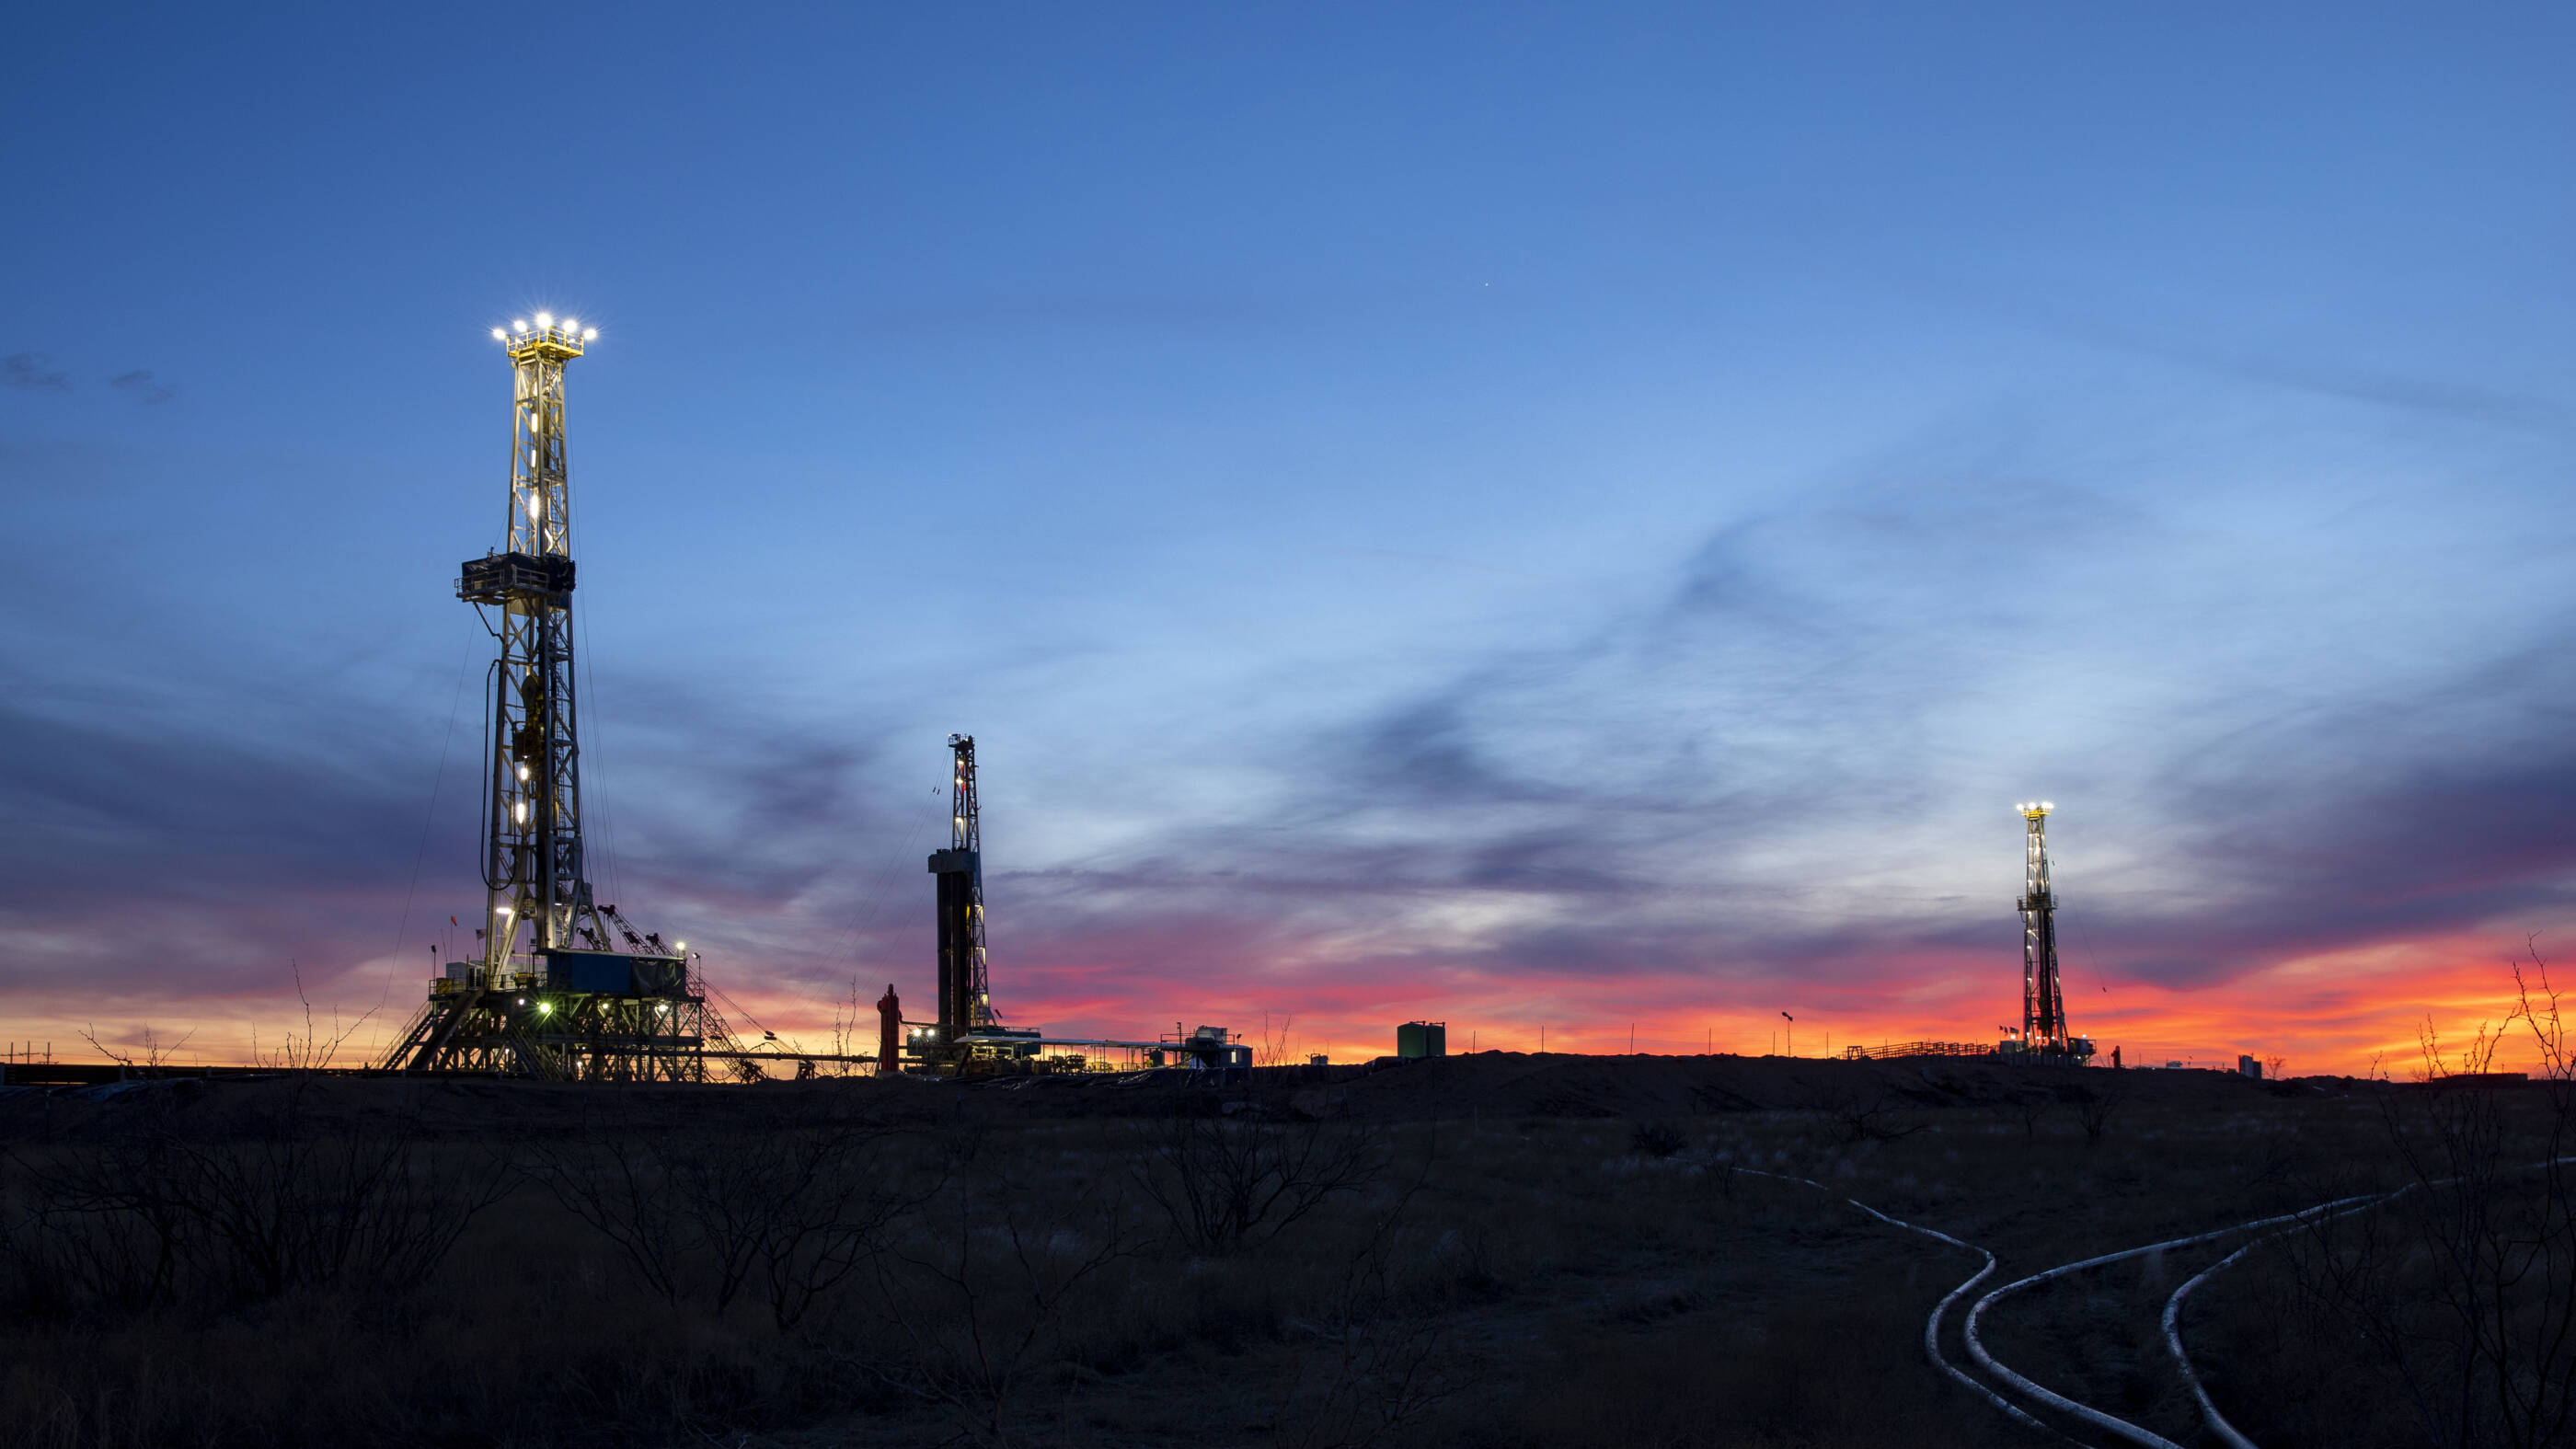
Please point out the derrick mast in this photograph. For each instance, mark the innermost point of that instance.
(2043, 997)
(532, 863)
(564, 987)
(965, 988)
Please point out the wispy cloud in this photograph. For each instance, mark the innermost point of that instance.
(141, 385)
(28, 370)
(1780, 781)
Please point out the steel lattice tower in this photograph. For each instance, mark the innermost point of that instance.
(533, 864)
(2043, 1008)
(564, 987)
(965, 986)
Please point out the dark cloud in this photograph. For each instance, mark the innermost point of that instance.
(1749, 786)
(142, 386)
(27, 370)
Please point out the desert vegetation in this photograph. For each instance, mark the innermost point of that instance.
(1414, 1256)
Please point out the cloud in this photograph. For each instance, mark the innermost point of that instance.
(1779, 782)
(142, 386)
(27, 370)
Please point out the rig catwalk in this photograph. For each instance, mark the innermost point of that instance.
(563, 988)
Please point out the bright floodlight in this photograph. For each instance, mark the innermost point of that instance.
(2047, 804)
(518, 324)
(571, 326)
(545, 319)
(589, 334)
(500, 336)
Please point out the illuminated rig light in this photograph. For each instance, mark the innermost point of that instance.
(500, 336)
(518, 324)
(545, 319)
(590, 334)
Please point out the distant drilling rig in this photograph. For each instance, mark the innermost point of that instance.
(564, 988)
(968, 1029)
(2044, 1030)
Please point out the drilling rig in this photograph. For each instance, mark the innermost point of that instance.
(2044, 1032)
(969, 1034)
(564, 988)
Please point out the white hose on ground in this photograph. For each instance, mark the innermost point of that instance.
(2173, 1306)
(2089, 1414)
(2173, 1342)
(1931, 1326)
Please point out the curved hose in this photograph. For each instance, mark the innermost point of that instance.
(2172, 1321)
(2089, 1414)
(1932, 1325)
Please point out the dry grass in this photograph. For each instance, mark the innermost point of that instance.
(1014, 1276)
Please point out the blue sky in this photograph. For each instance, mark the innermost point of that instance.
(1528, 515)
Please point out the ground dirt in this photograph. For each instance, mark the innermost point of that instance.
(1498, 1249)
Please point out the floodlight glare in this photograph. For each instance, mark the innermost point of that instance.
(545, 319)
(500, 336)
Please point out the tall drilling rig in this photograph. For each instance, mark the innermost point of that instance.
(2044, 1031)
(564, 987)
(968, 1030)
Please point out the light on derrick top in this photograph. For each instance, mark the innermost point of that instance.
(500, 336)
(545, 319)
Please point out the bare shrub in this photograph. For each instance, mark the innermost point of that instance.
(2094, 1109)
(980, 1286)
(152, 1053)
(1861, 1109)
(1366, 1371)
(2461, 1288)
(791, 1211)
(1227, 1179)
(104, 1225)
(277, 1200)
(2028, 1106)
(1656, 1139)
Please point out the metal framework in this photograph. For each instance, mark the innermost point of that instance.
(965, 984)
(2044, 1030)
(968, 1036)
(564, 988)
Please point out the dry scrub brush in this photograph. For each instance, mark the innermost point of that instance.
(163, 1210)
(792, 1211)
(1246, 1166)
(981, 1284)
(2446, 1315)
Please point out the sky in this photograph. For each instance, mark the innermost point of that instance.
(1581, 518)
